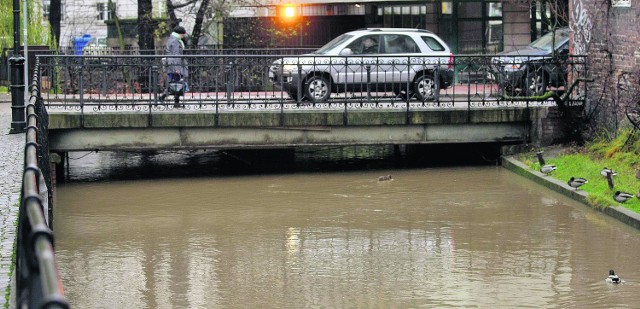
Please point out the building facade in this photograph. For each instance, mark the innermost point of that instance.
(468, 26)
(92, 18)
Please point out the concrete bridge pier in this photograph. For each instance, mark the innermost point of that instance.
(58, 162)
(57, 166)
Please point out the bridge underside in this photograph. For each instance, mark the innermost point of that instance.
(229, 138)
(73, 131)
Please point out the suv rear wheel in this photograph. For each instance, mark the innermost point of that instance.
(536, 83)
(317, 89)
(424, 88)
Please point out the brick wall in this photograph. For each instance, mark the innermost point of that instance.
(557, 127)
(611, 38)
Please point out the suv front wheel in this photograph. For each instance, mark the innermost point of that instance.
(317, 89)
(424, 88)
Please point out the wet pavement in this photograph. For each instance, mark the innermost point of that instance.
(11, 162)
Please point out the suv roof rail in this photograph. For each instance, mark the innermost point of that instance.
(397, 29)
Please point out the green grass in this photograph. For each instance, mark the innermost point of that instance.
(4, 89)
(621, 154)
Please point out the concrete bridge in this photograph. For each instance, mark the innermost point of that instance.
(112, 103)
(287, 124)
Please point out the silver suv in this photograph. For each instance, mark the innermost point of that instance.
(406, 62)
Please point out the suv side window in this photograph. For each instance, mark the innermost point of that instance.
(399, 44)
(368, 44)
(433, 44)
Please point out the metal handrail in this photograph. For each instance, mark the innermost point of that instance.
(38, 283)
(218, 81)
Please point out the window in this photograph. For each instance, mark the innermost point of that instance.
(621, 3)
(540, 14)
(160, 9)
(365, 45)
(104, 13)
(46, 10)
(433, 44)
(403, 16)
(447, 7)
(399, 44)
(494, 9)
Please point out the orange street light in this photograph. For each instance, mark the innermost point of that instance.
(289, 12)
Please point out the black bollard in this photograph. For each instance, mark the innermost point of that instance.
(18, 122)
(540, 158)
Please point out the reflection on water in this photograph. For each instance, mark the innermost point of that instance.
(431, 238)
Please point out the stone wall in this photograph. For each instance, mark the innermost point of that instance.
(611, 37)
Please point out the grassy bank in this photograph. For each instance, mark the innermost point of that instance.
(621, 154)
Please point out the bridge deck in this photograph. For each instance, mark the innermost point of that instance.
(286, 124)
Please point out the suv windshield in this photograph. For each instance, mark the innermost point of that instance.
(333, 43)
(545, 42)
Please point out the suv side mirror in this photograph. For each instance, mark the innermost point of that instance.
(346, 52)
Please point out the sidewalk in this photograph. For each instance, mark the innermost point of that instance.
(11, 163)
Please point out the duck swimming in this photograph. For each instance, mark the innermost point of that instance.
(613, 278)
(605, 170)
(385, 178)
(547, 169)
(622, 197)
(576, 182)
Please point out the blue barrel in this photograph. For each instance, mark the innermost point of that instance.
(79, 43)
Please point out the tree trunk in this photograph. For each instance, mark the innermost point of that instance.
(145, 27)
(54, 20)
(197, 27)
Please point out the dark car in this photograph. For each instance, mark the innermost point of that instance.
(408, 62)
(530, 70)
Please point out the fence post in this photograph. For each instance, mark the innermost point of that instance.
(229, 76)
(299, 86)
(153, 79)
(368, 68)
(18, 122)
(81, 90)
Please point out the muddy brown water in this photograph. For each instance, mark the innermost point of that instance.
(440, 237)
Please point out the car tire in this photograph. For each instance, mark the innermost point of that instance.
(424, 88)
(536, 83)
(317, 89)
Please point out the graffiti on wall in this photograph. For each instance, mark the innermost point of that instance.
(581, 27)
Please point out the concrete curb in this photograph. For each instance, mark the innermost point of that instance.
(622, 214)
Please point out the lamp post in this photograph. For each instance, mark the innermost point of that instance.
(16, 62)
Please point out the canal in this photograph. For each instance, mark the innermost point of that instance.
(157, 230)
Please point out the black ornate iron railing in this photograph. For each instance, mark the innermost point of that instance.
(38, 284)
(283, 82)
